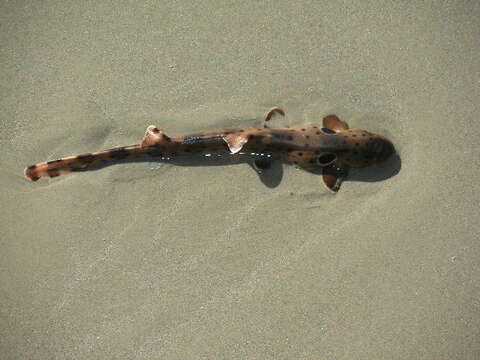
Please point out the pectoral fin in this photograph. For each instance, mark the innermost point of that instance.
(235, 142)
(153, 136)
(334, 123)
(333, 176)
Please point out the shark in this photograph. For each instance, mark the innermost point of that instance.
(332, 148)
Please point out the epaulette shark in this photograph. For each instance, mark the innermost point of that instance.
(333, 148)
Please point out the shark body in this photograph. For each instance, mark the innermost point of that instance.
(333, 147)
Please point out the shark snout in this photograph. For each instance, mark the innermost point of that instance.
(383, 148)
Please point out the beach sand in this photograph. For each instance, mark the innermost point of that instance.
(155, 261)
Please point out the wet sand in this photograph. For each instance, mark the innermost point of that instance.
(156, 261)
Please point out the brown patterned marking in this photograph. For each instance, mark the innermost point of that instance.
(53, 172)
(85, 158)
(53, 161)
(32, 167)
(318, 132)
(303, 129)
(300, 154)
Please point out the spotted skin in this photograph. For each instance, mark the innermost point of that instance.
(333, 147)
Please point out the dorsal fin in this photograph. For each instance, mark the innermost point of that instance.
(153, 136)
(235, 142)
(332, 122)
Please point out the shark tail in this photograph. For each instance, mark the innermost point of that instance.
(65, 165)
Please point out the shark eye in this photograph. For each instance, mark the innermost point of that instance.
(328, 131)
(326, 159)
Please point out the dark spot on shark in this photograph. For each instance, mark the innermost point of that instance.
(32, 167)
(85, 158)
(53, 172)
(53, 161)
(326, 158)
(300, 154)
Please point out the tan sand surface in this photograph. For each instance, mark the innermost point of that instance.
(155, 261)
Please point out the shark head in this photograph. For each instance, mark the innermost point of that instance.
(362, 148)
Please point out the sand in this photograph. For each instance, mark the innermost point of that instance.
(156, 261)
